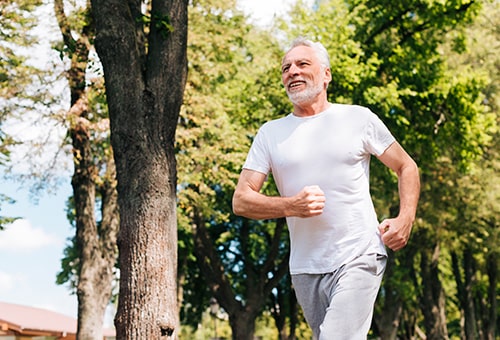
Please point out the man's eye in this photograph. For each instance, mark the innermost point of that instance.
(285, 69)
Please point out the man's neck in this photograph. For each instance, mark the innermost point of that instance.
(310, 109)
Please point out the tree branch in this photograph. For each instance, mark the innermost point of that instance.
(63, 23)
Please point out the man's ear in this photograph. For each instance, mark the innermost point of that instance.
(328, 76)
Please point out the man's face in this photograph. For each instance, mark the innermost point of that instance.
(303, 75)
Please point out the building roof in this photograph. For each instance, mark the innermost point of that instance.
(36, 321)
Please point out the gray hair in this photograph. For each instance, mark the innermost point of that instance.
(318, 48)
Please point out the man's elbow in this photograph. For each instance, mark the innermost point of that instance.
(410, 167)
(238, 208)
(414, 169)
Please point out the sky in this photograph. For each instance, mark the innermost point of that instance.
(32, 247)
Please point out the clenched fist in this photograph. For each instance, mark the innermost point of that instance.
(310, 201)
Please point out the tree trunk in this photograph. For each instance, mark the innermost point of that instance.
(479, 322)
(492, 317)
(465, 295)
(284, 305)
(243, 325)
(96, 259)
(471, 331)
(278, 313)
(144, 86)
(433, 299)
(294, 311)
(455, 264)
(95, 244)
(387, 321)
(97, 263)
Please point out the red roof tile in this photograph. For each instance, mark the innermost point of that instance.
(33, 319)
(36, 318)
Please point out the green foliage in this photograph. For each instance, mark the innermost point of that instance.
(232, 88)
(15, 25)
(203, 127)
(384, 55)
(210, 327)
(6, 220)
(396, 59)
(17, 19)
(16, 75)
(161, 22)
(163, 25)
(5, 142)
(15, 32)
(70, 266)
(211, 139)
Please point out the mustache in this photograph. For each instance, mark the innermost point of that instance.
(293, 81)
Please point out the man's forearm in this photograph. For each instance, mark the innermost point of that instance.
(409, 191)
(258, 206)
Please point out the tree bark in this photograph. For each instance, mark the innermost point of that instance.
(144, 86)
(294, 311)
(284, 304)
(492, 317)
(433, 299)
(388, 320)
(471, 331)
(95, 242)
(98, 258)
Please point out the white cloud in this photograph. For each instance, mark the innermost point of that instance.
(21, 236)
(6, 281)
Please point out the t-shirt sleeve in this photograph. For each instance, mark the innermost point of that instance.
(258, 156)
(377, 136)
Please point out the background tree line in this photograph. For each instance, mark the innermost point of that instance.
(428, 68)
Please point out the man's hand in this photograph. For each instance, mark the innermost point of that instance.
(395, 232)
(309, 202)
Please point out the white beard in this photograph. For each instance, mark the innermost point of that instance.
(306, 95)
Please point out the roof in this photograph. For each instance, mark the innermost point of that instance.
(36, 321)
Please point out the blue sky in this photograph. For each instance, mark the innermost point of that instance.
(32, 247)
(31, 250)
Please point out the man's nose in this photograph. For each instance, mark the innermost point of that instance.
(294, 69)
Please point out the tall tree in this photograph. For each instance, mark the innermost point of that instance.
(145, 65)
(93, 180)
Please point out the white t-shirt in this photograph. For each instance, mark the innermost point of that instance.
(332, 150)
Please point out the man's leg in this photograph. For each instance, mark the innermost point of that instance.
(312, 298)
(352, 298)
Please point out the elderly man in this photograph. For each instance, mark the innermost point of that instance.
(319, 156)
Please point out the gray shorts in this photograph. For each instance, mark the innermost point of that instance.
(339, 305)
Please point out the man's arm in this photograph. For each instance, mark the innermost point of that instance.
(250, 203)
(396, 231)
